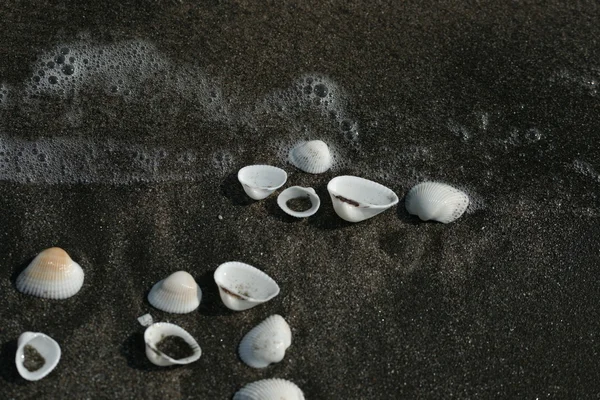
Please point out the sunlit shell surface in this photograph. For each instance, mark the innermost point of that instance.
(47, 357)
(266, 343)
(270, 389)
(436, 201)
(295, 192)
(259, 181)
(178, 293)
(313, 157)
(160, 330)
(51, 275)
(243, 286)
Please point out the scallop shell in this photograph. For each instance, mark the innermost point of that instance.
(46, 347)
(295, 192)
(312, 157)
(157, 332)
(356, 199)
(243, 286)
(51, 275)
(436, 201)
(270, 389)
(178, 293)
(266, 343)
(259, 181)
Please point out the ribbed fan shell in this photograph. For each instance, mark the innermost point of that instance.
(266, 343)
(51, 275)
(178, 294)
(436, 201)
(270, 389)
(312, 157)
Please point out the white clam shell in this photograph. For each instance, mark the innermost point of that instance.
(266, 343)
(436, 201)
(45, 346)
(243, 286)
(178, 293)
(313, 156)
(270, 389)
(160, 330)
(295, 192)
(259, 181)
(51, 275)
(356, 199)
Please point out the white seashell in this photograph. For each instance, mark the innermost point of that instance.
(45, 346)
(178, 293)
(312, 157)
(356, 199)
(436, 201)
(259, 181)
(243, 286)
(145, 320)
(270, 389)
(51, 275)
(295, 192)
(161, 330)
(266, 343)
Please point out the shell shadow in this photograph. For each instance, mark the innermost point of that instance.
(404, 216)
(273, 209)
(211, 304)
(18, 270)
(8, 369)
(134, 351)
(232, 189)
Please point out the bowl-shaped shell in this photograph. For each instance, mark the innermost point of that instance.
(51, 275)
(47, 354)
(259, 181)
(295, 192)
(356, 199)
(313, 156)
(436, 201)
(160, 330)
(266, 343)
(243, 286)
(270, 389)
(178, 293)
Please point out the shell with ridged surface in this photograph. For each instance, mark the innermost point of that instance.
(270, 389)
(436, 201)
(178, 294)
(266, 343)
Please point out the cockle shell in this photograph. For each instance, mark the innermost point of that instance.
(295, 192)
(270, 389)
(356, 199)
(45, 346)
(178, 293)
(266, 343)
(243, 286)
(51, 275)
(259, 181)
(312, 157)
(436, 201)
(160, 330)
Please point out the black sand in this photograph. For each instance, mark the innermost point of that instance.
(497, 97)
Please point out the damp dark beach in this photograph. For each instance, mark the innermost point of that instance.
(122, 128)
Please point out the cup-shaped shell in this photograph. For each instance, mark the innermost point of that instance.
(37, 355)
(296, 192)
(178, 293)
(51, 275)
(313, 156)
(243, 286)
(157, 332)
(356, 199)
(259, 181)
(436, 201)
(266, 343)
(270, 389)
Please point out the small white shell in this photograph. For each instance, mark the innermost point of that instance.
(243, 286)
(160, 330)
(356, 199)
(436, 201)
(295, 192)
(266, 343)
(270, 389)
(178, 294)
(51, 275)
(259, 181)
(45, 346)
(312, 157)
